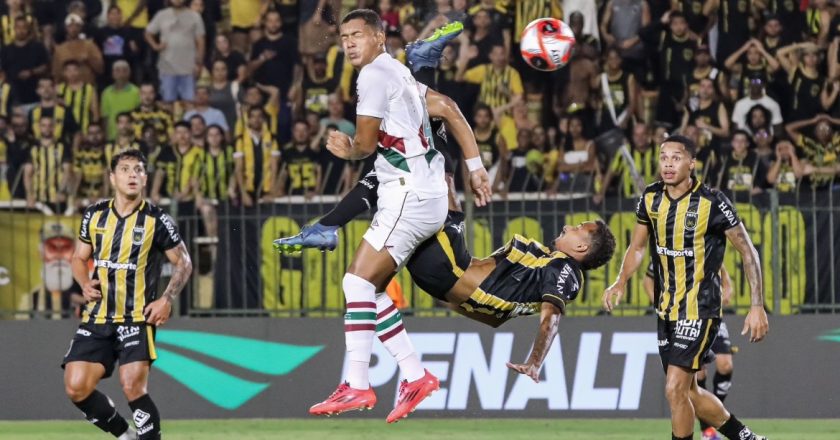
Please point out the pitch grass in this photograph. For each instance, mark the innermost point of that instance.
(417, 428)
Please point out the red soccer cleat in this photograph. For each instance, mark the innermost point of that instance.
(344, 399)
(411, 394)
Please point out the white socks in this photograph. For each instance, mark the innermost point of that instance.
(390, 330)
(359, 328)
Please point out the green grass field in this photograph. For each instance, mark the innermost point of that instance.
(418, 428)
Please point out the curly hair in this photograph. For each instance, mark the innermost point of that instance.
(601, 248)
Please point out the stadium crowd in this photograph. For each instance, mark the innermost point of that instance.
(232, 101)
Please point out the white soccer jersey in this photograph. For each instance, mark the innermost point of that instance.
(387, 90)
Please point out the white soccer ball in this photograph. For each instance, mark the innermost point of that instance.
(546, 44)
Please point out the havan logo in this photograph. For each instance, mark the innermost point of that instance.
(222, 388)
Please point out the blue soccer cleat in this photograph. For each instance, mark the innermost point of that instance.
(317, 236)
(426, 53)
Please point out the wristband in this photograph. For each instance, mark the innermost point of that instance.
(474, 163)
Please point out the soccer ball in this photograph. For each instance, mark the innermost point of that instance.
(546, 44)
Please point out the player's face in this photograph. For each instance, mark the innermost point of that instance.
(360, 42)
(575, 238)
(129, 178)
(675, 164)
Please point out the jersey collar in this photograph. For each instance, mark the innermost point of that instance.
(137, 209)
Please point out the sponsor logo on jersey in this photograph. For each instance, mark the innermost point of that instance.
(137, 235)
(661, 250)
(108, 264)
(688, 329)
(127, 331)
(170, 227)
(727, 212)
(690, 220)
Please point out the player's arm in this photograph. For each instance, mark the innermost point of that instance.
(442, 106)
(629, 265)
(756, 321)
(549, 324)
(157, 311)
(79, 261)
(725, 286)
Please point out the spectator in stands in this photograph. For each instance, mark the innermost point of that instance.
(758, 119)
(710, 116)
(733, 24)
(482, 38)
(78, 96)
(499, 19)
(217, 183)
(48, 170)
(741, 171)
(18, 142)
(244, 15)
(335, 116)
(807, 94)
(300, 170)
(136, 13)
(577, 154)
(149, 136)
(582, 70)
(785, 168)
(151, 112)
(253, 97)
(645, 161)
(257, 159)
(620, 90)
(24, 61)
(696, 21)
(117, 41)
(821, 149)
(178, 168)
(818, 21)
(211, 116)
(15, 9)
(198, 130)
(125, 138)
(235, 62)
(336, 172)
(90, 168)
(706, 160)
(491, 145)
(751, 62)
(64, 124)
(676, 58)
(210, 13)
(704, 69)
(224, 94)
(7, 96)
(620, 28)
(313, 93)
(121, 96)
(274, 58)
(84, 52)
(756, 97)
(177, 34)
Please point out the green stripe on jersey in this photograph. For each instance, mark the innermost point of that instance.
(394, 158)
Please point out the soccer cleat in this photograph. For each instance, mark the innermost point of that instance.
(710, 434)
(411, 394)
(344, 399)
(315, 236)
(426, 53)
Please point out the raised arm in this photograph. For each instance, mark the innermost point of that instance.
(629, 265)
(732, 60)
(549, 324)
(756, 322)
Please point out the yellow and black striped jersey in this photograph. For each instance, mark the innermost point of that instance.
(79, 102)
(48, 170)
(7, 25)
(216, 172)
(647, 164)
(256, 158)
(687, 243)
(302, 168)
(179, 169)
(64, 124)
(6, 99)
(160, 118)
(90, 166)
(526, 274)
(127, 256)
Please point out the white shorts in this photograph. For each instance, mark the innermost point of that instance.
(403, 221)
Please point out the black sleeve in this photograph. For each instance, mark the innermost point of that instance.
(649, 272)
(84, 228)
(67, 154)
(723, 215)
(561, 283)
(642, 217)
(71, 127)
(166, 232)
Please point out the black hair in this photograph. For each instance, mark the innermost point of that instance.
(690, 146)
(130, 153)
(124, 114)
(184, 124)
(676, 14)
(369, 16)
(601, 247)
(768, 118)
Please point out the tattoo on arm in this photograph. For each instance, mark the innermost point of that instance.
(181, 271)
(752, 265)
(549, 323)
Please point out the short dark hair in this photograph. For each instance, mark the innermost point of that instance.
(113, 7)
(687, 143)
(256, 108)
(370, 17)
(601, 247)
(124, 115)
(676, 14)
(184, 124)
(131, 153)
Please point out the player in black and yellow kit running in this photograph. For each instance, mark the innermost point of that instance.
(127, 239)
(686, 225)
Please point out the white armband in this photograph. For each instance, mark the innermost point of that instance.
(474, 163)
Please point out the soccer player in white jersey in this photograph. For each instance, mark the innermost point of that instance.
(393, 111)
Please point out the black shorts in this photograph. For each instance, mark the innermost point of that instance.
(107, 343)
(440, 261)
(684, 343)
(721, 345)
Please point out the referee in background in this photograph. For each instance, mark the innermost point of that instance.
(127, 239)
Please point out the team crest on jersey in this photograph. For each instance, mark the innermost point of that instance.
(137, 235)
(690, 220)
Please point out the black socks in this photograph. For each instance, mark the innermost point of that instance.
(100, 411)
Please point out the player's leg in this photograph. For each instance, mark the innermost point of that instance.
(678, 384)
(134, 379)
(723, 375)
(80, 380)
